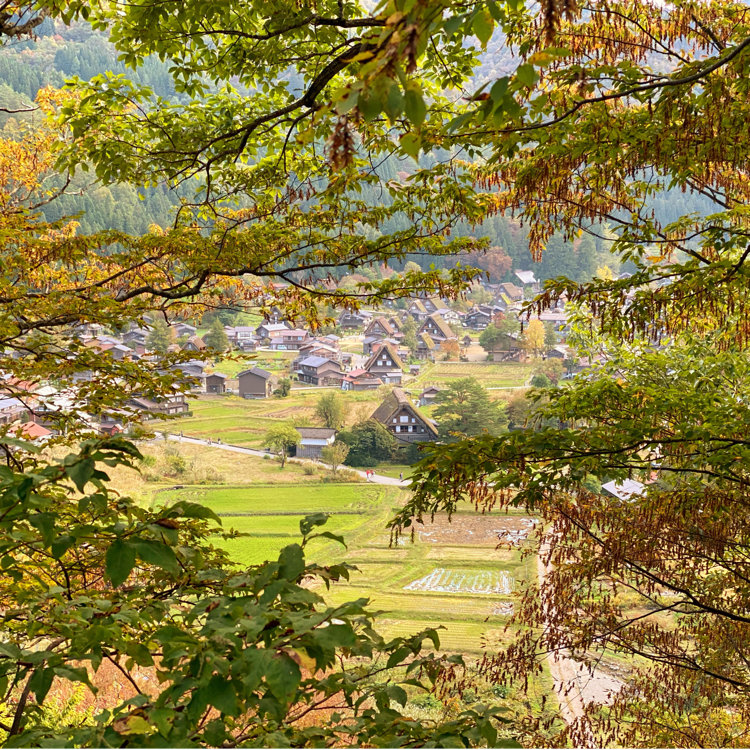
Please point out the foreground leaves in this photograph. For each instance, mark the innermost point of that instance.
(213, 655)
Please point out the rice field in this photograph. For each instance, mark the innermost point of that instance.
(444, 580)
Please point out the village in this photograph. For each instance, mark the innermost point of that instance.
(408, 350)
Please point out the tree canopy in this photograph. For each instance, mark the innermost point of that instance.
(464, 409)
(285, 114)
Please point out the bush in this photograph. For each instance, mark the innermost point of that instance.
(369, 443)
(308, 470)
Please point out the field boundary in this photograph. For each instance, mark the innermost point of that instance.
(252, 486)
(294, 513)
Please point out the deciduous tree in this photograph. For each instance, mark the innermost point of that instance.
(281, 439)
(330, 410)
(369, 443)
(532, 338)
(335, 455)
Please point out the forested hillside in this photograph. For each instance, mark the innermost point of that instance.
(63, 52)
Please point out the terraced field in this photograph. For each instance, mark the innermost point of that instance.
(268, 516)
(452, 574)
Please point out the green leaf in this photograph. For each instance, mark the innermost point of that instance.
(369, 107)
(283, 677)
(414, 106)
(394, 102)
(223, 696)
(483, 26)
(497, 92)
(330, 535)
(45, 523)
(310, 521)
(292, 562)
(61, 545)
(347, 103)
(527, 75)
(80, 472)
(397, 656)
(411, 144)
(41, 682)
(453, 24)
(119, 561)
(398, 694)
(156, 553)
(192, 510)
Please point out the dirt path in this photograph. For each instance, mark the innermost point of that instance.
(575, 683)
(374, 478)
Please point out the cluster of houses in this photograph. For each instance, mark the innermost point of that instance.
(426, 327)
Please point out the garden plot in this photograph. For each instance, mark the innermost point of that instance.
(444, 581)
(472, 529)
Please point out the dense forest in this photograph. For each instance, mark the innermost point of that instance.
(62, 52)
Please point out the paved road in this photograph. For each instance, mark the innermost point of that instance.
(375, 478)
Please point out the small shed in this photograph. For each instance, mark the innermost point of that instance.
(216, 382)
(313, 440)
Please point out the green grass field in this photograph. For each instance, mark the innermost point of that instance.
(241, 421)
(489, 374)
(274, 499)
(433, 580)
(472, 617)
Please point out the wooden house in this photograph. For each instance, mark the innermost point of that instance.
(320, 371)
(379, 328)
(266, 330)
(255, 383)
(418, 311)
(242, 337)
(360, 380)
(194, 344)
(288, 339)
(167, 406)
(404, 420)
(426, 346)
(437, 329)
(215, 382)
(385, 363)
(353, 320)
(427, 397)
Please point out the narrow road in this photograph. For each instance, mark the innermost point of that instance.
(375, 478)
(565, 672)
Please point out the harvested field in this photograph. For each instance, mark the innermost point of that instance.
(479, 554)
(475, 530)
(445, 580)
